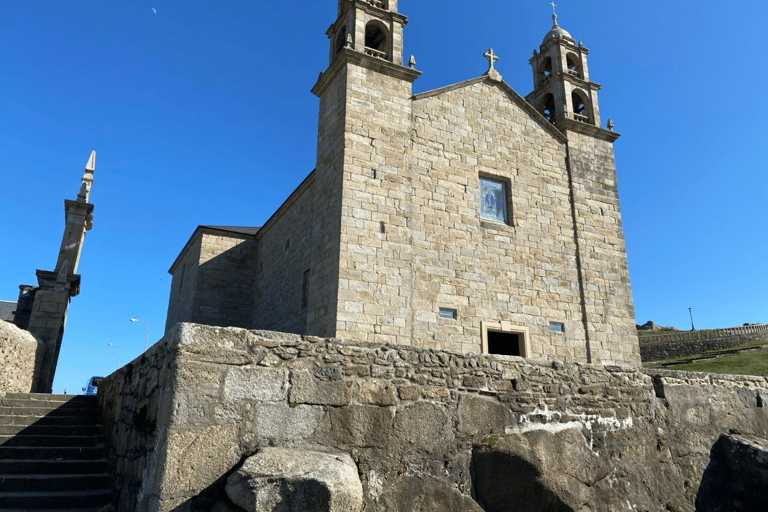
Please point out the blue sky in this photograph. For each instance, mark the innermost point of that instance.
(201, 113)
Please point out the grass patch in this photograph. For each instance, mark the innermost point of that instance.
(744, 363)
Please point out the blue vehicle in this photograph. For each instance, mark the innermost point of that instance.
(93, 386)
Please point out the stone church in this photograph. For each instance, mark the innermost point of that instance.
(465, 218)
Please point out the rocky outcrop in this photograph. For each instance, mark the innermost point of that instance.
(290, 480)
(736, 479)
(20, 355)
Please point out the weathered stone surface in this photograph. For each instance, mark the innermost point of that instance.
(623, 439)
(195, 459)
(361, 425)
(288, 480)
(736, 479)
(20, 357)
(282, 422)
(308, 389)
(256, 384)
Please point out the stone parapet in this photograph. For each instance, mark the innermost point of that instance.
(183, 416)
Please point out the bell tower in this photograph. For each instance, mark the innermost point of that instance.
(363, 135)
(372, 27)
(561, 85)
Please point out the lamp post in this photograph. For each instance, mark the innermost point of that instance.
(145, 325)
(690, 313)
(119, 357)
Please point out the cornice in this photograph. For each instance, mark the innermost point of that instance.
(347, 56)
(566, 124)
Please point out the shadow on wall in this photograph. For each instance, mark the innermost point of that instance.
(735, 480)
(508, 483)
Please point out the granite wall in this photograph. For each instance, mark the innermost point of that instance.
(423, 426)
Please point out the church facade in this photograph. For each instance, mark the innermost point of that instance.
(464, 218)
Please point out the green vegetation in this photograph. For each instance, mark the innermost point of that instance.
(272, 441)
(491, 440)
(753, 362)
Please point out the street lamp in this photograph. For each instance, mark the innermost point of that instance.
(145, 325)
(690, 313)
(119, 357)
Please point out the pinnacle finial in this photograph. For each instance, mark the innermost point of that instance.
(554, 14)
(87, 179)
(91, 165)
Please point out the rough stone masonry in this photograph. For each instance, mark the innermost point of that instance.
(426, 429)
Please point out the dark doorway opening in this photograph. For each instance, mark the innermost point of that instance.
(504, 343)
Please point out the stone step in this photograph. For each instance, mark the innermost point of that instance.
(90, 420)
(74, 401)
(52, 467)
(43, 482)
(30, 410)
(58, 441)
(52, 453)
(48, 398)
(48, 430)
(54, 499)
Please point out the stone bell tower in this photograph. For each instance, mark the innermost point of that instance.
(364, 129)
(561, 85)
(565, 95)
(42, 309)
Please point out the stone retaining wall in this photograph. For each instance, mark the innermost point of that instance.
(667, 346)
(420, 424)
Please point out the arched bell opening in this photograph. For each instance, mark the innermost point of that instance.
(548, 107)
(574, 65)
(546, 71)
(581, 110)
(377, 40)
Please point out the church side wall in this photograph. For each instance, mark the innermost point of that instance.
(607, 290)
(225, 281)
(183, 287)
(286, 246)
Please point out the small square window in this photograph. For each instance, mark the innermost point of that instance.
(493, 200)
(448, 313)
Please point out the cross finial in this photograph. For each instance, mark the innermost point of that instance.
(491, 58)
(554, 14)
(492, 73)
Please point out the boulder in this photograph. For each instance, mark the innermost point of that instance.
(20, 357)
(737, 476)
(295, 480)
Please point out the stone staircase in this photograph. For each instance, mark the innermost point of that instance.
(51, 457)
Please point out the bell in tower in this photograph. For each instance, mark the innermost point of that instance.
(372, 27)
(561, 85)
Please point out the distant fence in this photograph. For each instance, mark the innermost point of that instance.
(678, 344)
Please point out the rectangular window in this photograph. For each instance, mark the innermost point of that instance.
(556, 326)
(305, 290)
(448, 313)
(505, 339)
(493, 200)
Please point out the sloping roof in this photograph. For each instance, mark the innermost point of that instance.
(241, 230)
(6, 310)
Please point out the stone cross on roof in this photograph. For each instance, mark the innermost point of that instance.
(492, 57)
(554, 14)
